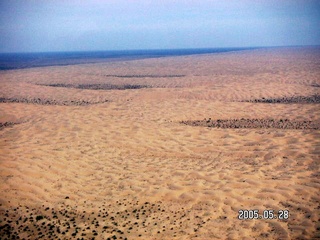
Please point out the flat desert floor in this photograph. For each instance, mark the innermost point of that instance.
(163, 148)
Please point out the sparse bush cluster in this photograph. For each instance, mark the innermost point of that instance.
(254, 123)
(112, 221)
(6, 124)
(103, 86)
(145, 76)
(48, 101)
(297, 99)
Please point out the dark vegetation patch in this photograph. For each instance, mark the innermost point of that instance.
(49, 102)
(59, 85)
(254, 123)
(99, 86)
(297, 99)
(119, 220)
(146, 76)
(7, 124)
(315, 85)
(111, 86)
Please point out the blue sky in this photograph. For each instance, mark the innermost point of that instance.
(62, 25)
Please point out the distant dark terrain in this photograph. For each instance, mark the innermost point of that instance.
(28, 60)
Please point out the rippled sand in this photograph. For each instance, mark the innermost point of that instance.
(122, 164)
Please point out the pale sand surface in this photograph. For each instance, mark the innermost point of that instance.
(128, 168)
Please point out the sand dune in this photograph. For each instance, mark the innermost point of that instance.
(127, 168)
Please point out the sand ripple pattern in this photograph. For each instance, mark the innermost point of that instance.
(128, 168)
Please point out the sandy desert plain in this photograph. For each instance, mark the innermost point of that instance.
(163, 148)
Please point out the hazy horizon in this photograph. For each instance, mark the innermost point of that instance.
(76, 26)
(159, 49)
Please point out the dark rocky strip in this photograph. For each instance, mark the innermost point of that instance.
(254, 123)
(49, 102)
(121, 220)
(6, 124)
(145, 76)
(99, 86)
(59, 85)
(313, 99)
(111, 86)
